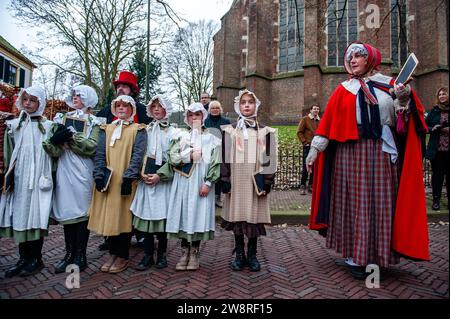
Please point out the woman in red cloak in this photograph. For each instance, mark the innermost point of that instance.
(368, 197)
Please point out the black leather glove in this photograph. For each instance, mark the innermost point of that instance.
(61, 136)
(226, 187)
(99, 185)
(125, 189)
(267, 188)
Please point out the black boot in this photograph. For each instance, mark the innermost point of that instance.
(161, 257)
(105, 245)
(149, 248)
(436, 203)
(253, 263)
(81, 241)
(358, 272)
(23, 258)
(34, 264)
(240, 260)
(69, 235)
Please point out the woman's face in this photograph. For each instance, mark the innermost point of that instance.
(195, 118)
(30, 103)
(157, 111)
(214, 109)
(358, 64)
(247, 105)
(76, 101)
(123, 110)
(443, 97)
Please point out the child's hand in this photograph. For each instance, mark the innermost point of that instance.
(126, 187)
(196, 155)
(204, 190)
(153, 179)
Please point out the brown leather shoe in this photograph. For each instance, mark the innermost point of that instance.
(182, 263)
(120, 264)
(194, 259)
(109, 262)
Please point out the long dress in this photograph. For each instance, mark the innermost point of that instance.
(24, 212)
(109, 213)
(74, 180)
(151, 203)
(244, 211)
(191, 216)
(371, 216)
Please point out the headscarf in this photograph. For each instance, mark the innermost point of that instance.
(25, 119)
(155, 140)
(371, 53)
(371, 129)
(195, 107)
(87, 95)
(36, 91)
(242, 121)
(165, 103)
(195, 138)
(117, 134)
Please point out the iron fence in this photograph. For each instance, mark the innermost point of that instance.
(290, 169)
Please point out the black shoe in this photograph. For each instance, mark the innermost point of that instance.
(358, 272)
(61, 266)
(436, 204)
(80, 260)
(161, 261)
(239, 261)
(16, 269)
(33, 266)
(252, 261)
(81, 245)
(146, 262)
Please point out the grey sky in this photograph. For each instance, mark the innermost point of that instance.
(191, 10)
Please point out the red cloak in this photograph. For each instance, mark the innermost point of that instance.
(410, 228)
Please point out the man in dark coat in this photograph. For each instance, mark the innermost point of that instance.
(126, 84)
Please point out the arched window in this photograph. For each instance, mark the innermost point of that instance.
(399, 32)
(342, 28)
(291, 37)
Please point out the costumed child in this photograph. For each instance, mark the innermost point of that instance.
(249, 161)
(151, 201)
(75, 150)
(118, 159)
(194, 156)
(26, 201)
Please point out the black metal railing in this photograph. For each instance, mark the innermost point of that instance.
(290, 169)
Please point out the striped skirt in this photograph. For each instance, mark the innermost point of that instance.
(363, 192)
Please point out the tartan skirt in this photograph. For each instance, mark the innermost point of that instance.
(363, 193)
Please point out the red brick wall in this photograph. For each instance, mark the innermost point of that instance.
(252, 62)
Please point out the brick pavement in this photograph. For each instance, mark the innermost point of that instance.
(295, 264)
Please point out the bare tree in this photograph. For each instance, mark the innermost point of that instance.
(188, 61)
(94, 38)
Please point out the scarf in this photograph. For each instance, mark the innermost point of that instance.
(117, 134)
(371, 126)
(243, 122)
(443, 107)
(155, 140)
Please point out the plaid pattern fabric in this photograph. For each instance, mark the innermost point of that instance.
(363, 192)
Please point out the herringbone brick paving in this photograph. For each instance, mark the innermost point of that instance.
(295, 264)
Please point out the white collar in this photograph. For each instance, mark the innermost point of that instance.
(312, 117)
(353, 85)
